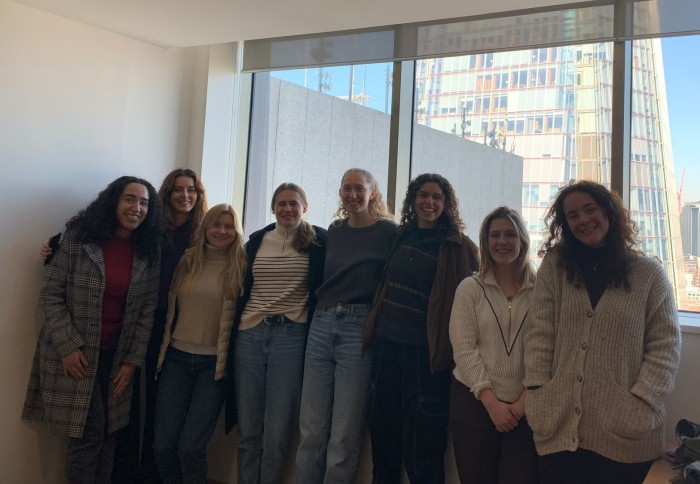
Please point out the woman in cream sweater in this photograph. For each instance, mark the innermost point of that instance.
(193, 356)
(492, 439)
(602, 346)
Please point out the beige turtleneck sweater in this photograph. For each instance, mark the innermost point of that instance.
(199, 307)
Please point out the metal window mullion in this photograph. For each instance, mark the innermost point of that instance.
(400, 134)
(621, 103)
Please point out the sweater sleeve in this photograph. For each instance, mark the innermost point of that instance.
(662, 343)
(539, 331)
(464, 335)
(54, 299)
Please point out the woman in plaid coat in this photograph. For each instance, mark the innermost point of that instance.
(98, 299)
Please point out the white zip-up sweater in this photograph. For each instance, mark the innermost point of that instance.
(486, 336)
(602, 373)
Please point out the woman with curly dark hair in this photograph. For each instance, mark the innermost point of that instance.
(184, 203)
(409, 326)
(602, 347)
(98, 300)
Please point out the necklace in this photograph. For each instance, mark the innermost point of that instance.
(595, 266)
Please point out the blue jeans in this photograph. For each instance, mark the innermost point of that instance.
(408, 413)
(187, 408)
(334, 394)
(269, 366)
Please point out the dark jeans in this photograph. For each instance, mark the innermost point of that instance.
(483, 454)
(586, 467)
(188, 406)
(90, 457)
(407, 415)
(134, 462)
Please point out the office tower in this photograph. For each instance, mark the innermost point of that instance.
(553, 107)
(690, 228)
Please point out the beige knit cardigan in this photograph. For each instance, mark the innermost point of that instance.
(602, 373)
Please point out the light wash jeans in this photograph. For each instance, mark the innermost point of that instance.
(269, 366)
(188, 406)
(333, 400)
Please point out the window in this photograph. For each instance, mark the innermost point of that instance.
(310, 125)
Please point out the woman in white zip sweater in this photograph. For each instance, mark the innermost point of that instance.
(602, 345)
(492, 439)
(193, 356)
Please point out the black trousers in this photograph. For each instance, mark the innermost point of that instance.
(408, 412)
(586, 467)
(483, 454)
(134, 462)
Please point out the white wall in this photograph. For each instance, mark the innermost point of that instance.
(79, 106)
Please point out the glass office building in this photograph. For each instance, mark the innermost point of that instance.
(553, 107)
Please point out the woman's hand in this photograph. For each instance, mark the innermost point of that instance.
(517, 408)
(500, 413)
(123, 378)
(75, 365)
(45, 250)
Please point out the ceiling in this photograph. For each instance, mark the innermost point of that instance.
(182, 23)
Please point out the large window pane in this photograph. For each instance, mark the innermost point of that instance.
(665, 160)
(512, 127)
(305, 130)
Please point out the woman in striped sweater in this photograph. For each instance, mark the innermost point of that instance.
(285, 267)
(492, 439)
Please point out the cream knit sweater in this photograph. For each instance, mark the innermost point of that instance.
(602, 373)
(486, 336)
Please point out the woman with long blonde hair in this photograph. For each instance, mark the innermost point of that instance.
(194, 352)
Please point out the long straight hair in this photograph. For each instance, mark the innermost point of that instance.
(232, 277)
(195, 216)
(305, 235)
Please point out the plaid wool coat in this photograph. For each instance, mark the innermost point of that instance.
(71, 302)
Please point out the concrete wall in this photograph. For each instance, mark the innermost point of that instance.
(301, 135)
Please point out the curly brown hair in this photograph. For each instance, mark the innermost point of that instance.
(620, 240)
(450, 220)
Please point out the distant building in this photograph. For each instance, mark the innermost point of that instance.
(553, 107)
(690, 228)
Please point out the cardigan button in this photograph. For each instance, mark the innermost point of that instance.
(579, 378)
(589, 314)
(584, 346)
(577, 410)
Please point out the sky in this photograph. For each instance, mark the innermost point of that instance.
(680, 72)
(681, 75)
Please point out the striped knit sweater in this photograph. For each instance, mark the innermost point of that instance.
(281, 280)
(602, 374)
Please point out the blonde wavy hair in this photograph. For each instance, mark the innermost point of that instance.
(377, 209)
(232, 276)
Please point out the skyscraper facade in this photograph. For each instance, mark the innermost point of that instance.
(553, 107)
(690, 229)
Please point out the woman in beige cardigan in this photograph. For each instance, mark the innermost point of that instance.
(602, 347)
(192, 360)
